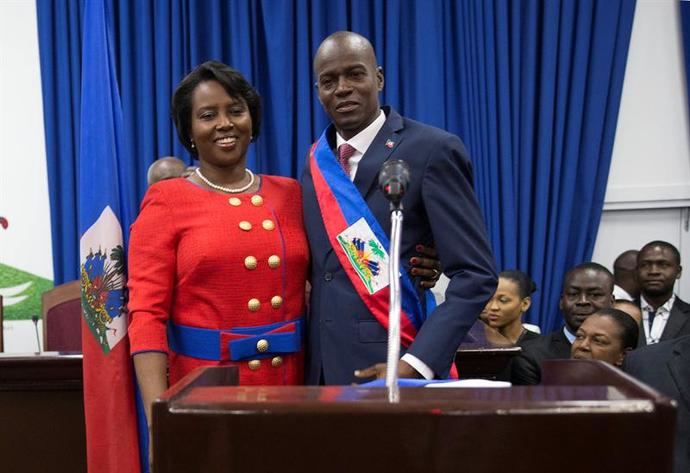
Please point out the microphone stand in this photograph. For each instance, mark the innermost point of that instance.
(393, 181)
(394, 304)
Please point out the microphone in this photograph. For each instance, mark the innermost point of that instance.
(394, 179)
(34, 319)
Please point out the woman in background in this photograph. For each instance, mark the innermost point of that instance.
(606, 335)
(504, 311)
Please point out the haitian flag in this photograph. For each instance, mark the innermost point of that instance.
(112, 441)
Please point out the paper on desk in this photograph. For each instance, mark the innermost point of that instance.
(470, 383)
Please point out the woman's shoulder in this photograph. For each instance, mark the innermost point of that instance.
(280, 182)
(169, 191)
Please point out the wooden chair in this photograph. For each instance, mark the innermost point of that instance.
(61, 310)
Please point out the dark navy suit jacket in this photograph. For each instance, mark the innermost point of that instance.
(526, 367)
(678, 323)
(440, 208)
(665, 366)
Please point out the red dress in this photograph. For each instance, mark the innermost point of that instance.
(219, 261)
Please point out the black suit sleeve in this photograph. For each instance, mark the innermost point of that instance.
(524, 370)
(459, 233)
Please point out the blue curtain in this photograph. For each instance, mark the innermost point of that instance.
(532, 87)
(684, 7)
(539, 91)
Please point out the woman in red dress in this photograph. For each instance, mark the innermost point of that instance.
(218, 261)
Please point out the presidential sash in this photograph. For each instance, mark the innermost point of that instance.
(360, 243)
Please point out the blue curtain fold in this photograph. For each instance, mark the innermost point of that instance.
(532, 87)
(541, 83)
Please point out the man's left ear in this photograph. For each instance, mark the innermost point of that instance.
(680, 272)
(379, 77)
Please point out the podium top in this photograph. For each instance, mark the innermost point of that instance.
(570, 386)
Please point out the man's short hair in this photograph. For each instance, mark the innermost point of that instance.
(662, 244)
(585, 266)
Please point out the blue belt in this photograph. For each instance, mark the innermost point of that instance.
(259, 341)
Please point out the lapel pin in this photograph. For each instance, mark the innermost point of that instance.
(390, 144)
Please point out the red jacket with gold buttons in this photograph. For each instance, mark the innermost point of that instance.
(225, 262)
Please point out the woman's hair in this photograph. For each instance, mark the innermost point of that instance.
(627, 325)
(231, 80)
(526, 287)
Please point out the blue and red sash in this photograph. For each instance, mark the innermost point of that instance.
(343, 207)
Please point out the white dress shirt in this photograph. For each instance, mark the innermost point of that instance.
(361, 142)
(621, 294)
(661, 315)
(568, 335)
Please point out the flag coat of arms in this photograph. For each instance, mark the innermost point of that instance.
(112, 435)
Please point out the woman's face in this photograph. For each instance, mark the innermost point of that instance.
(221, 125)
(599, 338)
(506, 305)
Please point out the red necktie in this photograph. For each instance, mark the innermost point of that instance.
(345, 152)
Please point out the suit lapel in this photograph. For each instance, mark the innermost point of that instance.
(386, 141)
(680, 315)
(679, 365)
(561, 345)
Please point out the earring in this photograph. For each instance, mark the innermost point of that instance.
(193, 146)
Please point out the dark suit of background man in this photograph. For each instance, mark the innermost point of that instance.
(664, 315)
(665, 366)
(587, 288)
(440, 208)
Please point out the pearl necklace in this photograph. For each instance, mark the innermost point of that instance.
(227, 189)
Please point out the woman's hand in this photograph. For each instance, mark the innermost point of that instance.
(426, 266)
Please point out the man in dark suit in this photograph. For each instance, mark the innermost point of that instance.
(665, 366)
(587, 288)
(664, 315)
(347, 331)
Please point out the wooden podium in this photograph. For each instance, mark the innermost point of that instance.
(586, 416)
(42, 413)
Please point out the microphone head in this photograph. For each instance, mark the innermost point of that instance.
(34, 319)
(394, 179)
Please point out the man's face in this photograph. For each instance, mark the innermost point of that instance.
(584, 292)
(657, 271)
(348, 84)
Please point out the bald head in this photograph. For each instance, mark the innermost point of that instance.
(344, 41)
(626, 261)
(348, 81)
(624, 269)
(165, 168)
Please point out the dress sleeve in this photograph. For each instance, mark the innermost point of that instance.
(151, 265)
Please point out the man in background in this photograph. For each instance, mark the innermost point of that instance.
(167, 167)
(665, 366)
(624, 269)
(587, 287)
(664, 315)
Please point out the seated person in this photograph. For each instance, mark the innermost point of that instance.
(587, 288)
(504, 311)
(606, 335)
(629, 307)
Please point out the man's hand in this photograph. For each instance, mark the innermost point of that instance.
(378, 371)
(427, 266)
